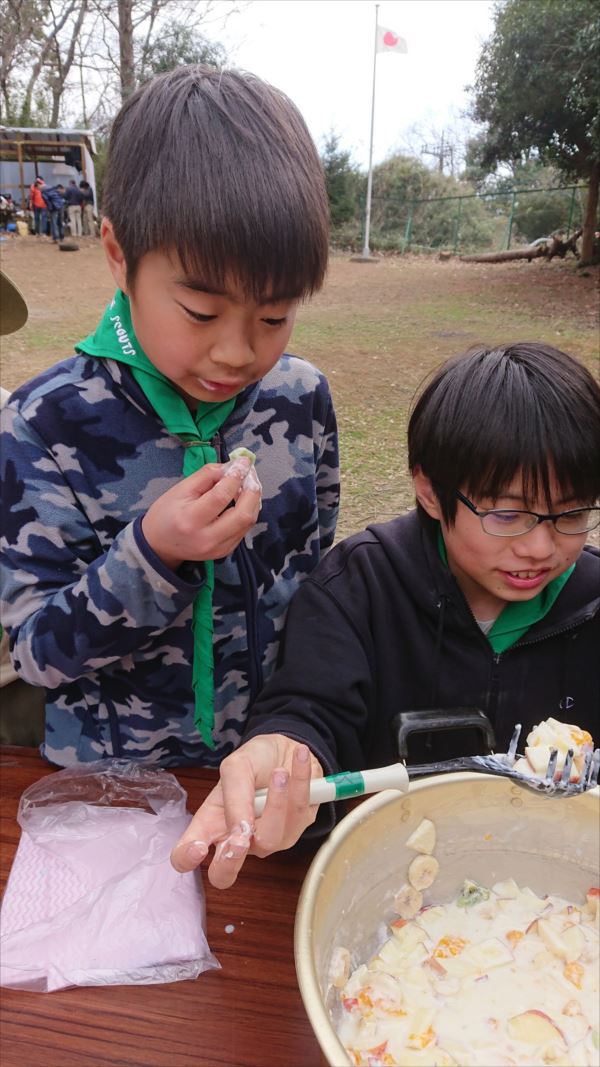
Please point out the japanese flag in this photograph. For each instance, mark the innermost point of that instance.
(388, 41)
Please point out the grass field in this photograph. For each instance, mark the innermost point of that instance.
(376, 330)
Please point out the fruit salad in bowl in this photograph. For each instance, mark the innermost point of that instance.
(498, 975)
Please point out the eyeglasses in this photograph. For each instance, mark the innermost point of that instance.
(502, 522)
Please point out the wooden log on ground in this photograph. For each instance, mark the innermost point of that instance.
(530, 252)
(546, 248)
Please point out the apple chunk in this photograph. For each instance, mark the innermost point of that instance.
(538, 757)
(423, 838)
(574, 941)
(534, 1027)
(568, 945)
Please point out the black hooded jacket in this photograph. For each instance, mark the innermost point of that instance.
(381, 626)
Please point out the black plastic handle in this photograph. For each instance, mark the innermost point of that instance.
(406, 723)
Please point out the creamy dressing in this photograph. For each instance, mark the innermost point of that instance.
(498, 976)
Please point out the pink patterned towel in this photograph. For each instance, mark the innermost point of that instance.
(92, 899)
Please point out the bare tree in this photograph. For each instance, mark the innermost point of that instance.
(44, 56)
(62, 64)
(127, 65)
(96, 52)
(21, 21)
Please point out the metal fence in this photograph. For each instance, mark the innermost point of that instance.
(478, 221)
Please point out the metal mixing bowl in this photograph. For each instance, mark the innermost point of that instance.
(488, 829)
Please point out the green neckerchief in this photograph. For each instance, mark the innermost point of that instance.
(516, 618)
(114, 338)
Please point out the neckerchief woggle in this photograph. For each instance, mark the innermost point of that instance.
(114, 338)
(517, 617)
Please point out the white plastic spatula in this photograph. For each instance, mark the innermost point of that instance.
(348, 784)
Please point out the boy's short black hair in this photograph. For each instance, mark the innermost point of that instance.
(493, 413)
(219, 167)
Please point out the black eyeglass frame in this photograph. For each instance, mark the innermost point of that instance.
(521, 511)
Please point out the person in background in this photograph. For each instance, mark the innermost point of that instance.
(54, 199)
(485, 597)
(87, 208)
(145, 581)
(37, 204)
(21, 705)
(7, 210)
(73, 202)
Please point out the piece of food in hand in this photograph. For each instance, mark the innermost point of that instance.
(423, 838)
(251, 481)
(243, 452)
(562, 736)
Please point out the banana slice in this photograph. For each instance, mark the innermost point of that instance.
(423, 838)
(423, 872)
(408, 901)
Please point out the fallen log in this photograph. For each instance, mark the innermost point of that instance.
(544, 247)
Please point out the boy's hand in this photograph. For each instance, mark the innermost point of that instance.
(193, 520)
(226, 818)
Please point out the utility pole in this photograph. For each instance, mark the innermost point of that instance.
(441, 151)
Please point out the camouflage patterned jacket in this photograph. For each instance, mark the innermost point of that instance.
(93, 615)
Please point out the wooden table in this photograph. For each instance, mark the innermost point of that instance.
(249, 1013)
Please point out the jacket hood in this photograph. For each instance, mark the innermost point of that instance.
(410, 545)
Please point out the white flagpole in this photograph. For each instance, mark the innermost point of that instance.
(366, 250)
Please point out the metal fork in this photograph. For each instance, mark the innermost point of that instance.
(502, 764)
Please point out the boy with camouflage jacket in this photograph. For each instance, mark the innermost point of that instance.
(150, 605)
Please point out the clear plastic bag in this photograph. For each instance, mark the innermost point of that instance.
(92, 898)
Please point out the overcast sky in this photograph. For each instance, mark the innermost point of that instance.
(320, 52)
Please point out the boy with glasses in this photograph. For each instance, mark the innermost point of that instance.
(485, 598)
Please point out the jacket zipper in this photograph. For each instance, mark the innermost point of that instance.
(492, 707)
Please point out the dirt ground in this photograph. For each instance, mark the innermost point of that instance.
(376, 330)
